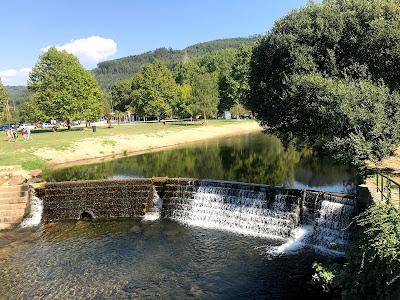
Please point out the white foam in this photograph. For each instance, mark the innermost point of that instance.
(36, 210)
(155, 212)
(298, 240)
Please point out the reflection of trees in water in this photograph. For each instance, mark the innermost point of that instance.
(263, 160)
(85, 172)
(256, 158)
(322, 171)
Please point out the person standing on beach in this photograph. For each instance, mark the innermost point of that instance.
(23, 133)
(28, 134)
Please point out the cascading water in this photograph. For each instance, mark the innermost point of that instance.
(332, 223)
(237, 208)
(36, 210)
(155, 212)
(249, 209)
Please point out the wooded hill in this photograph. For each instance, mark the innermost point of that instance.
(18, 94)
(111, 71)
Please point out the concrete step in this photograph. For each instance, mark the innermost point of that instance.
(13, 188)
(10, 195)
(11, 219)
(14, 200)
(12, 206)
(8, 225)
(16, 213)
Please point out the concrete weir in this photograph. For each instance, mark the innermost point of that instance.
(134, 197)
(245, 208)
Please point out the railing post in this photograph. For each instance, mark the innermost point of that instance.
(377, 181)
(389, 192)
(381, 188)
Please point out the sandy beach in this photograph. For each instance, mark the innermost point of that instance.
(104, 148)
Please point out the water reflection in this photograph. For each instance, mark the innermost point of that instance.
(256, 158)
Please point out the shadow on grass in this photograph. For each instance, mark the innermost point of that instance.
(58, 130)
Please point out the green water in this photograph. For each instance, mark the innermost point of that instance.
(256, 158)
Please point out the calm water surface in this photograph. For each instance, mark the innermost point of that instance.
(128, 259)
(256, 158)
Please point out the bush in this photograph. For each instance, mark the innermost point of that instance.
(373, 268)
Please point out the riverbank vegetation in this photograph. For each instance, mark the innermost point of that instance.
(327, 75)
(373, 270)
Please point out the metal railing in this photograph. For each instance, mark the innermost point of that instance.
(388, 188)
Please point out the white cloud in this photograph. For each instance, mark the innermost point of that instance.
(14, 77)
(90, 50)
(26, 71)
(8, 73)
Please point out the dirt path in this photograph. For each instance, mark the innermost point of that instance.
(102, 148)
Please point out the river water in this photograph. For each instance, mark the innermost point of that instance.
(256, 158)
(148, 260)
(166, 259)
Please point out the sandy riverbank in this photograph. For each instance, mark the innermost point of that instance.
(103, 148)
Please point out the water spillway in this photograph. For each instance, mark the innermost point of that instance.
(253, 209)
(262, 210)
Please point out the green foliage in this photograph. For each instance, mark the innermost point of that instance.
(237, 110)
(323, 73)
(359, 120)
(120, 94)
(183, 105)
(154, 90)
(109, 72)
(63, 90)
(205, 95)
(234, 87)
(326, 277)
(3, 99)
(373, 271)
(18, 95)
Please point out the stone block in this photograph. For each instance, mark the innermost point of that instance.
(17, 180)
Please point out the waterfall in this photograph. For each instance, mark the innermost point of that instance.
(332, 222)
(237, 208)
(264, 211)
(155, 212)
(36, 209)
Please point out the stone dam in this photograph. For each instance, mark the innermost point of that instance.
(254, 209)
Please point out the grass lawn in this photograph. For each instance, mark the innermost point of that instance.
(20, 152)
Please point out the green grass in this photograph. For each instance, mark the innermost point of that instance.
(21, 152)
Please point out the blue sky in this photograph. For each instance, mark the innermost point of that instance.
(101, 30)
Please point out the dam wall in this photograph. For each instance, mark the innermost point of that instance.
(74, 200)
(246, 208)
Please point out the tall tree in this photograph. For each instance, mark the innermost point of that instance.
(63, 90)
(120, 95)
(153, 90)
(3, 99)
(205, 95)
(297, 68)
(234, 87)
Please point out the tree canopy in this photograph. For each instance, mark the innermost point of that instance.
(234, 86)
(328, 73)
(63, 90)
(154, 90)
(3, 97)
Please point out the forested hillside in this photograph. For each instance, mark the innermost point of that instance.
(108, 72)
(18, 94)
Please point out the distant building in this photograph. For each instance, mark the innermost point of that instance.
(227, 115)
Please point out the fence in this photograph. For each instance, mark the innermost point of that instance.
(388, 189)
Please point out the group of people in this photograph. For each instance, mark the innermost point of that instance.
(12, 134)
